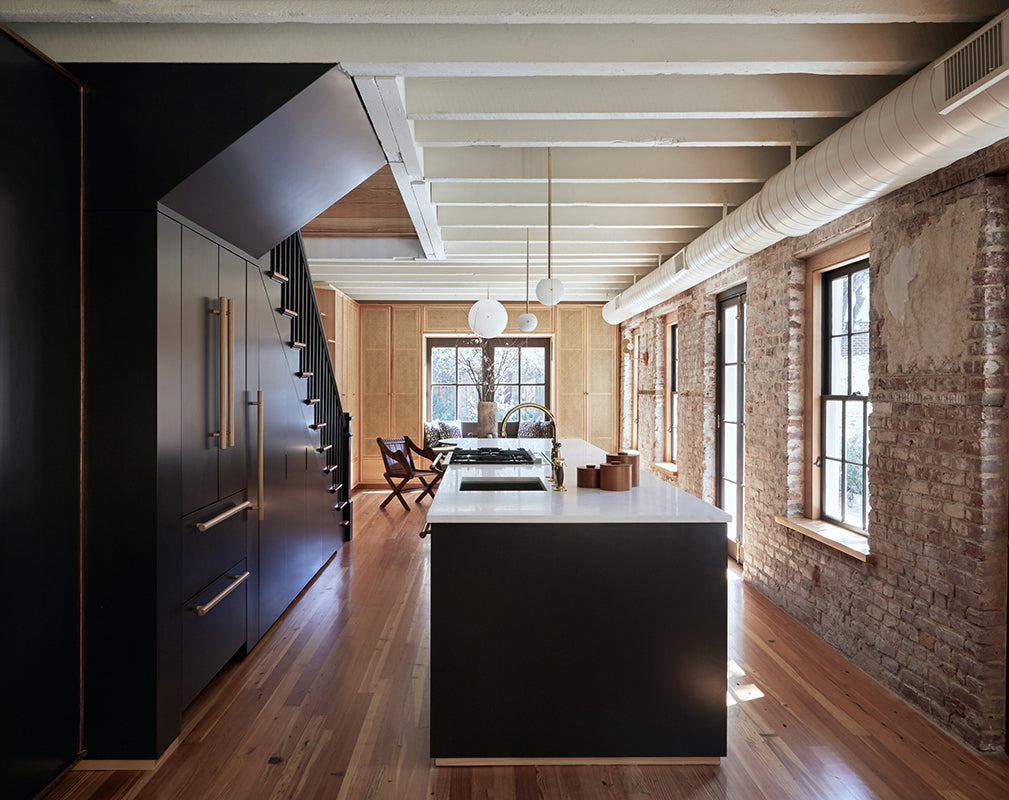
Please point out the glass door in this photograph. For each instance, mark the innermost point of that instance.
(730, 421)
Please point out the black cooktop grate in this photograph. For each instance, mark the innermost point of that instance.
(491, 455)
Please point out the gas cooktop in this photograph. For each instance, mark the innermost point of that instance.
(490, 455)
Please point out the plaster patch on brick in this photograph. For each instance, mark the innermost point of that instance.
(925, 290)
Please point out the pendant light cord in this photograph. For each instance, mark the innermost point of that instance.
(527, 270)
(549, 214)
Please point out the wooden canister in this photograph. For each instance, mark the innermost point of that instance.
(628, 457)
(615, 477)
(588, 477)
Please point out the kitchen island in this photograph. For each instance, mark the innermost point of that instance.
(578, 626)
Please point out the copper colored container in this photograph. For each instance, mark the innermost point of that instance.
(588, 477)
(615, 477)
(623, 457)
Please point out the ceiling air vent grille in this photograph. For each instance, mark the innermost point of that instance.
(972, 68)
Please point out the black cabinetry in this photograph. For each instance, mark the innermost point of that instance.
(190, 562)
(214, 390)
(40, 414)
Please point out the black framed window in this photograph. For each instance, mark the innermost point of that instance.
(674, 366)
(844, 397)
(730, 416)
(463, 371)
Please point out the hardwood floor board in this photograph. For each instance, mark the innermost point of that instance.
(338, 691)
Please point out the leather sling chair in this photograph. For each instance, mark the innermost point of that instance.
(397, 454)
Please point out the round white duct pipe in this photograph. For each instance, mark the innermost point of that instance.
(898, 140)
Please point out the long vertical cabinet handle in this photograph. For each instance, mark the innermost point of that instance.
(231, 372)
(222, 371)
(260, 484)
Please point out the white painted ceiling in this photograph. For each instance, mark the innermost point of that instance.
(661, 115)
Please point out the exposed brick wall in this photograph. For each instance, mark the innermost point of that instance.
(926, 616)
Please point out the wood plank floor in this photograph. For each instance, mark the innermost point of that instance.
(333, 704)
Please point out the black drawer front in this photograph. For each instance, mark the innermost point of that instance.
(208, 553)
(211, 638)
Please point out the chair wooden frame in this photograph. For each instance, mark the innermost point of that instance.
(397, 454)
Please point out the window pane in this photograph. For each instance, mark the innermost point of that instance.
(832, 488)
(672, 416)
(860, 301)
(730, 436)
(729, 338)
(853, 432)
(741, 322)
(832, 428)
(506, 362)
(443, 367)
(860, 364)
(730, 400)
(505, 396)
(443, 402)
(854, 490)
(533, 394)
(839, 305)
(838, 365)
(729, 506)
(467, 403)
(534, 365)
(470, 365)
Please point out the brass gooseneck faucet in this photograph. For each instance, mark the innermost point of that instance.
(556, 462)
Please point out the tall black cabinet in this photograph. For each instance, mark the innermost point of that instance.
(40, 417)
(189, 563)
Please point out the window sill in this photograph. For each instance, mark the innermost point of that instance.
(839, 538)
(665, 469)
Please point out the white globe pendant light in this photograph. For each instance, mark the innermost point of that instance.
(488, 318)
(550, 290)
(527, 322)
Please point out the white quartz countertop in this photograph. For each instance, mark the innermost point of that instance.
(654, 500)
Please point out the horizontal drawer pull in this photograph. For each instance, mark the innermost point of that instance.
(335, 488)
(290, 313)
(311, 401)
(210, 523)
(294, 345)
(324, 448)
(304, 374)
(330, 468)
(236, 581)
(316, 425)
(279, 277)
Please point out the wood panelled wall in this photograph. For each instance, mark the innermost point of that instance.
(341, 318)
(378, 350)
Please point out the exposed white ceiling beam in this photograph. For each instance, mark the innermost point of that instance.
(591, 165)
(651, 97)
(398, 50)
(579, 248)
(510, 50)
(626, 133)
(661, 238)
(506, 11)
(615, 217)
(533, 193)
(383, 99)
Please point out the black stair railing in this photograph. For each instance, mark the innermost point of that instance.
(332, 424)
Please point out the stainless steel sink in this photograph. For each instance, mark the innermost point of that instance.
(503, 484)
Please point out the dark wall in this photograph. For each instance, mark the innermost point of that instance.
(40, 372)
(150, 126)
